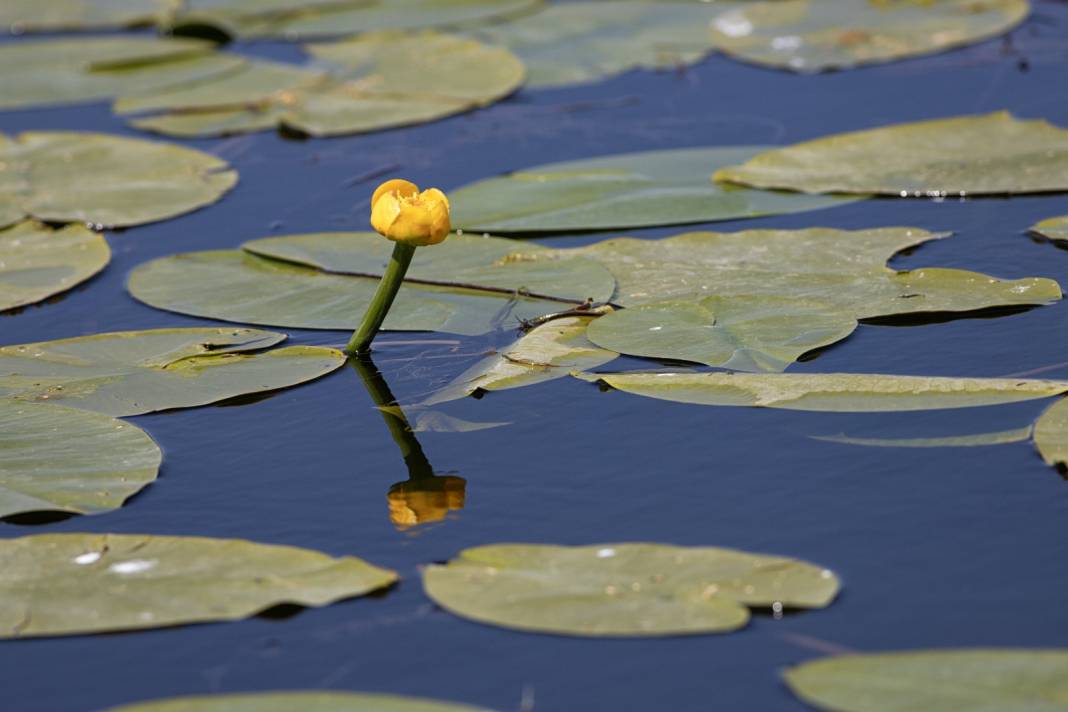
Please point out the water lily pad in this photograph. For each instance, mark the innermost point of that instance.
(622, 589)
(67, 460)
(817, 35)
(374, 81)
(966, 155)
(245, 287)
(70, 71)
(627, 190)
(301, 19)
(1001, 437)
(305, 701)
(134, 372)
(578, 42)
(105, 180)
(740, 333)
(548, 351)
(66, 584)
(37, 261)
(1051, 434)
(19, 16)
(967, 680)
(1052, 228)
(830, 392)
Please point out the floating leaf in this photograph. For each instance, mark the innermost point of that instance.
(65, 584)
(966, 155)
(627, 190)
(1001, 437)
(580, 42)
(622, 589)
(306, 701)
(300, 19)
(37, 261)
(19, 16)
(371, 82)
(68, 71)
(244, 287)
(975, 680)
(134, 372)
(831, 392)
(743, 333)
(106, 180)
(817, 35)
(1051, 434)
(549, 351)
(67, 460)
(1053, 228)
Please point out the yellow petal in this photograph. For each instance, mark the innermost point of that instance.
(395, 186)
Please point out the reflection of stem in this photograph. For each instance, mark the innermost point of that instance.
(360, 343)
(418, 466)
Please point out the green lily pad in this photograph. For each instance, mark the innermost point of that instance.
(1052, 228)
(19, 16)
(743, 334)
(68, 584)
(1001, 437)
(135, 372)
(966, 155)
(305, 701)
(830, 392)
(579, 42)
(374, 81)
(622, 589)
(1051, 434)
(108, 181)
(71, 71)
(548, 351)
(817, 35)
(627, 190)
(37, 262)
(67, 460)
(968, 680)
(248, 288)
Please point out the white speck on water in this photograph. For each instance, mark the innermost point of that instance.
(88, 558)
(135, 566)
(606, 553)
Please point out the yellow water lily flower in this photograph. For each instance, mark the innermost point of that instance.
(403, 214)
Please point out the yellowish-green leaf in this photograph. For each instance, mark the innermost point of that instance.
(1001, 437)
(627, 190)
(817, 35)
(1052, 228)
(966, 680)
(832, 392)
(19, 16)
(622, 589)
(37, 262)
(66, 584)
(966, 155)
(549, 351)
(304, 701)
(105, 180)
(61, 459)
(134, 372)
(1051, 434)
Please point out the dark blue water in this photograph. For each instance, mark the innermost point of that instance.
(936, 548)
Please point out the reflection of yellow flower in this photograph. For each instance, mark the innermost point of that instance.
(425, 500)
(403, 214)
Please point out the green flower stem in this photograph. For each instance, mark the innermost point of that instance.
(418, 466)
(360, 343)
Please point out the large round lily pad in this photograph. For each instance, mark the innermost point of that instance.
(65, 584)
(622, 589)
(67, 460)
(37, 261)
(304, 701)
(968, 680)
(134, 372)
(105, 180)
(817, 35)
(1051, 434)
(831, 392)
(966, 155)
(1052, 228)
(628, 190)
(56, 15)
